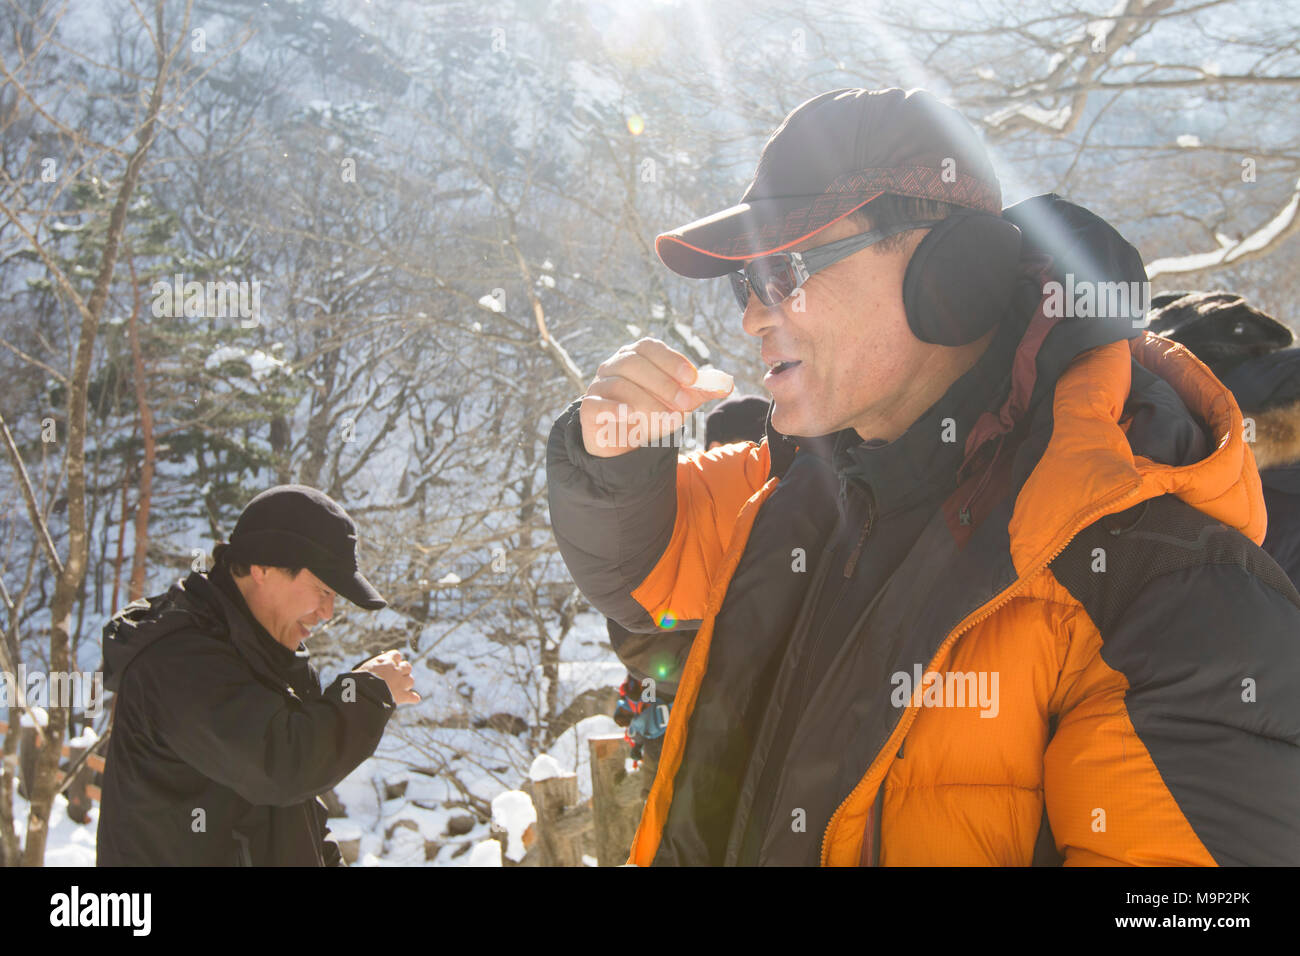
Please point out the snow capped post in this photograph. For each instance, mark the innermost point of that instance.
(513, 815)
(561, 820)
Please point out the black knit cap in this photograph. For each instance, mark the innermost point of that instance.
(293, 526)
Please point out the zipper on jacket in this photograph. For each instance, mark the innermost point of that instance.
(839, 593)
(870, 855)
(866, 530)
(952, 637)
(758, 761)
(830, 615)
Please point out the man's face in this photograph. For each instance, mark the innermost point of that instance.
(859, 363)
(287, 606)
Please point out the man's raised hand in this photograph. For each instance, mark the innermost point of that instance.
(641, 394)
(396, 673)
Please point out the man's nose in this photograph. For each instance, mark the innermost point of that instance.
(758, 318)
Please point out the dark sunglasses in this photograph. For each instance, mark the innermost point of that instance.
(774, 278)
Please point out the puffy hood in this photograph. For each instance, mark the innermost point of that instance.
(1074, 246)
(1131, 415)
(1066, 244)
(1102, 448)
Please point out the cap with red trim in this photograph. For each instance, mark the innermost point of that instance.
(832, 155)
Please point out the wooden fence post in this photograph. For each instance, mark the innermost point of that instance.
(617, 797)
(560, 820)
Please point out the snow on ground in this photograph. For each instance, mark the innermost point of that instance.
(487, 762)
(577, 677)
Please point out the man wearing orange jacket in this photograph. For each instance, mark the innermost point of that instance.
(989, 592)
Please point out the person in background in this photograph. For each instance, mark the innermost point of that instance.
(1250, 352)
(222, 738)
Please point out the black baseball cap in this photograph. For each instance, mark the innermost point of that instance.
(834, 154)
(297, 526)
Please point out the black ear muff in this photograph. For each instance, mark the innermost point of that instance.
(959, 282)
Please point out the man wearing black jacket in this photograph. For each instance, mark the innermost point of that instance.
(222, 736)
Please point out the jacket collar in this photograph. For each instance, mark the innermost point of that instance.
(267, 656)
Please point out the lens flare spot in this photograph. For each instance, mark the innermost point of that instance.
(635, 125)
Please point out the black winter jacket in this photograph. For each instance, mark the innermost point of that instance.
(222, 738)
